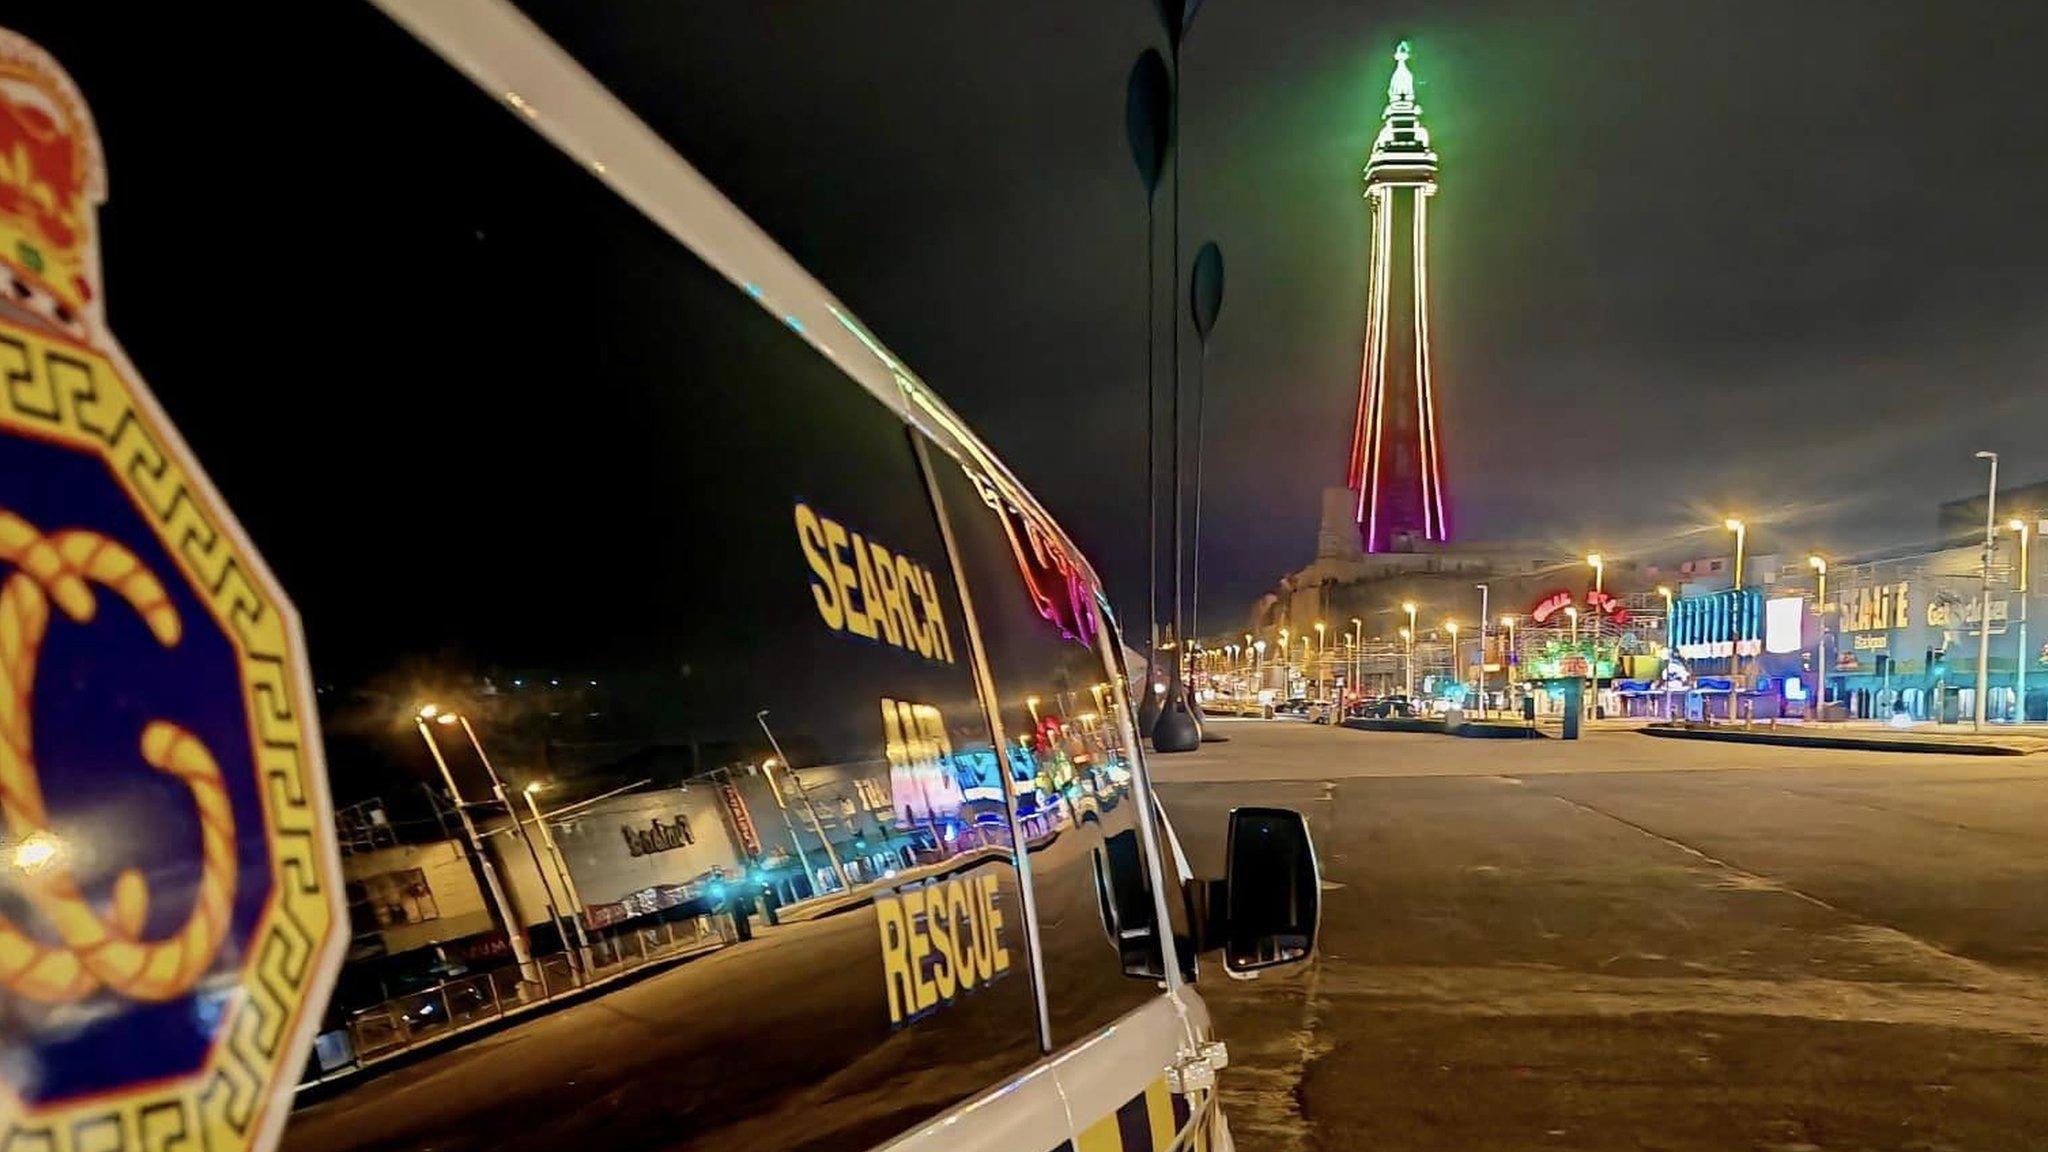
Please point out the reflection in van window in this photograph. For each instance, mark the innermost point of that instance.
(1057, 706)
(635, 639)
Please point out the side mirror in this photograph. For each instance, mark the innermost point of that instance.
(1272, 890)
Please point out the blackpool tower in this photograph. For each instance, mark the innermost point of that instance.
(1396, 472)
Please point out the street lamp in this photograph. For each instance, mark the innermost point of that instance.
(515, 932)
(1485, 607)
(1734, 651)
(575, 899)
(1571, 613)
(1741, 531)
(1984, 596)
(1408, 606)
(498, 788)
(1357, 654)
(1451, 626)
(817, 827)
(1408, 657)
(1507, 658)
(1820, 637)
(1599, 609)
(1321, 648)
(1670, 640)
(2025, 528)
(1351, 666)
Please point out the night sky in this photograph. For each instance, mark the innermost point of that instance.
(1781, 259)
(1777, 260)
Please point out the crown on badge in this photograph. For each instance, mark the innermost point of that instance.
(51, 184)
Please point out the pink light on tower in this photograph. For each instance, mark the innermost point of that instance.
(1396, 466)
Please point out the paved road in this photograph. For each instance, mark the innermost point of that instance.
(1636, 943)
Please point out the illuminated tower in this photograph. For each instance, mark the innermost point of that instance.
(1396, 470)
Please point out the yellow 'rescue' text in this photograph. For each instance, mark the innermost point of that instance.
(940, 940)
(863, 588)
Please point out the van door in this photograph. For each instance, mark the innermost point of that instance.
(1061, 714)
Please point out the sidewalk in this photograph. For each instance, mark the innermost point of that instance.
(1868, 736)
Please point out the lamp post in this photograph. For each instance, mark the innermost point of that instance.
(1984, 594)
(1670, 647)
(831, 853)
(575, 899)
(1457, 673)
(2025, 529)
(498, 788)
(515, 932)
(803, 858)
(1322, 658)
(1408, 660)
(1258, 668)
(1599, 586)
(1408, 606)
(1820, 637)
(1571, 613)
(1741, 531)
(1484, 609)
(1357, 652)
(1350, 669)
(1507, 658)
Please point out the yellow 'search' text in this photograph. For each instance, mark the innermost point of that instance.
(863, 588)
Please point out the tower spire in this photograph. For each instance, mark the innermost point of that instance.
(1396, 468)
(1401, 89)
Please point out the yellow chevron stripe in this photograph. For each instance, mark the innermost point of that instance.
(1101, 1136)
(1159, 1110)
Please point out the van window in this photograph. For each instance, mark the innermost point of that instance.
(1057, 702)
(518, 454)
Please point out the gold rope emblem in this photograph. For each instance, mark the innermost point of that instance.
(93, 952)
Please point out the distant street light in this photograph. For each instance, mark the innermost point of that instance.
(1734, 653)
(1485, 608)
(1408, 606)
(1507, 658)
(1984, 596)
(575, 900)
(1408, 662)
(1357, 652)
(1451, 626)
(2025, 528)
(515, 932)
(1321, 649)
(1820, 638)
(831, 853)
(498, 788)
(1599, 610)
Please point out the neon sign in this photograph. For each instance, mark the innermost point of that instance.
(1599, 601)
(1603, 602)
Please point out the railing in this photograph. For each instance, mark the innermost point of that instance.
(378, 1033)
